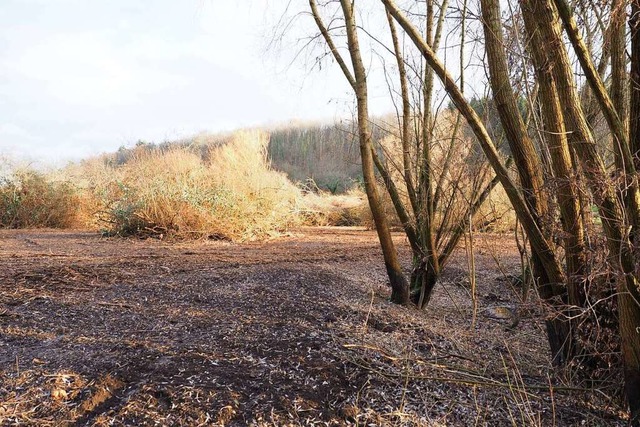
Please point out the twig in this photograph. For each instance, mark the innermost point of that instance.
(112, 304)
(471, 260)
(366, 320)
(492, 383)
(385, 355)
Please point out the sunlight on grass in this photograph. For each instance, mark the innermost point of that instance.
(220, 187)
(230, 193)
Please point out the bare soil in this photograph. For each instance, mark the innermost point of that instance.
(295, 331)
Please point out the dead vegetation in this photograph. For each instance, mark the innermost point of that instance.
(294, 331)
(211, 186)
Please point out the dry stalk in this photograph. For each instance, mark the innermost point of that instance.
(474, 378)
(472, 272)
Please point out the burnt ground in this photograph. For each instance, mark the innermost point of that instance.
(294, 331)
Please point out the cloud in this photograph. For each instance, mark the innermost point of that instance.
(13, 131)
(89, 69)
(78, 76)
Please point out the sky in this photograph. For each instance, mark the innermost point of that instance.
(79, 77)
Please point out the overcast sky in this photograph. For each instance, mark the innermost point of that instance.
(81, 77)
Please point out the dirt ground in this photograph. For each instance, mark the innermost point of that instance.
(294, 331)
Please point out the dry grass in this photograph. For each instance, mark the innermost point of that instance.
(231, 193)
(216, 186)
(31, 199)
(220, 187)
(496, 214)
(323, 209)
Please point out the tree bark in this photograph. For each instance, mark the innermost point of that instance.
(619, 76)
(552, 267)
(630, 307)
(525, 157)
(405, 128)
(528, 163)
(634, 84)
(399, 285)
(530, 170)
(620, 248)
(358, 81)
(631, 191)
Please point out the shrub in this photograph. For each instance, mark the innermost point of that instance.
(216, 186)
(323, 209)
(29, 199)
(229, 193)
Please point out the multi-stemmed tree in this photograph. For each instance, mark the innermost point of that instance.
(433, 205)
(560, 168)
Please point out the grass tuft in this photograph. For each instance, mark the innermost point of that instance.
(230, 193)
(30, 199)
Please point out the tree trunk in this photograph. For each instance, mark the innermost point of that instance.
(399, 285)
(585, 146)
(543, 248)
(525, 157)
(405, 120)
(629, 312)
(528, 164)
(556, 138)
(620, 248)
(634, 83)
(423, 280)
(619, 63)
(629, 306)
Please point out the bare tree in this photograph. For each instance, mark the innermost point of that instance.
(415, 184)
(566, 133)
(358, 81)
(559, 170)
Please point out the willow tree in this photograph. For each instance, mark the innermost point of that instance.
(431, 200)
(530, 172)
(358, 82)
(573, 152)
(559, 171)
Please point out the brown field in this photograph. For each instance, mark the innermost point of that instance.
(293, 331)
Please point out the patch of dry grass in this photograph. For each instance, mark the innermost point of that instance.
(232, 193)
(220, 187)
(323, 209)
(31, 199)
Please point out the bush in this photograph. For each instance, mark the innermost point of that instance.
(323, 209)
(28, 199)
(215, 186)
(229, 193)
